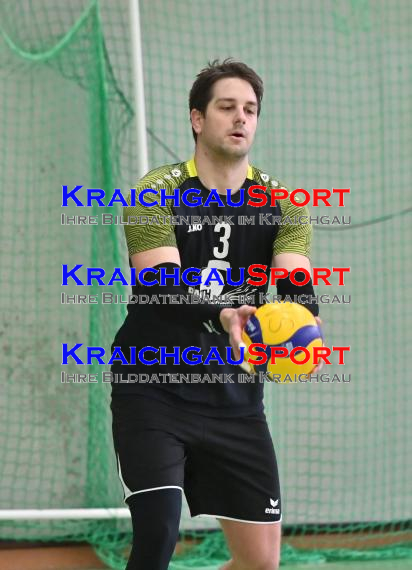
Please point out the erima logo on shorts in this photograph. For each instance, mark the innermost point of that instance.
(273, 511)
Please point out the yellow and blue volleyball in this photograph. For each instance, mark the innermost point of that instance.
(287, 326)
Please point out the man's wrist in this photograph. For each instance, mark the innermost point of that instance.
(297, 293)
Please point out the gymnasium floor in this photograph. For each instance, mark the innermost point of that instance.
(83, 558)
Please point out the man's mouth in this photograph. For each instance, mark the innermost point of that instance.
(238, 135)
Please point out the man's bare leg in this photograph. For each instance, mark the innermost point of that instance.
(252, 546)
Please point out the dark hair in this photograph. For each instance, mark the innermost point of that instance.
(201, 91)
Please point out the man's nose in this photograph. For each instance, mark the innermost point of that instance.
(240, 116)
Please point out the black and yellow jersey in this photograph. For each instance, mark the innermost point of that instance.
(225, 237)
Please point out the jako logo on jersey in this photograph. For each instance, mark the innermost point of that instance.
(194, 228)
(273, 511)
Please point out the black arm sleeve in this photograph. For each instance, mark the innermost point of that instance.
(202, 317)
(304, 294)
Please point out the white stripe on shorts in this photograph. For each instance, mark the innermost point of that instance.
(239, 520)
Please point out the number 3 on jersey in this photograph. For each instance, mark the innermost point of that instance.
(222, 249)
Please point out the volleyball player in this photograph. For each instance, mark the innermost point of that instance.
(208, 440)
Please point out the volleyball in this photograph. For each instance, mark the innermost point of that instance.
(286, 328)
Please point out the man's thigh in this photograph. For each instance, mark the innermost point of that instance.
(233, 475)
(150, 444)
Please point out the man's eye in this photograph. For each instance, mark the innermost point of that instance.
(250, 111)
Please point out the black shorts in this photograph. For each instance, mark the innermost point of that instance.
(225, 466)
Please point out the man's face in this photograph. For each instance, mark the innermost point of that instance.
(229, 125)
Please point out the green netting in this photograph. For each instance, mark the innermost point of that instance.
(337, 112)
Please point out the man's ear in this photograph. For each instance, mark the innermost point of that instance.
(196, 118)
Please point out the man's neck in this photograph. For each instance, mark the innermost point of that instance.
(218, 173)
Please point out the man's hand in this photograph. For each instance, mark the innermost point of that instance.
(234, 321)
